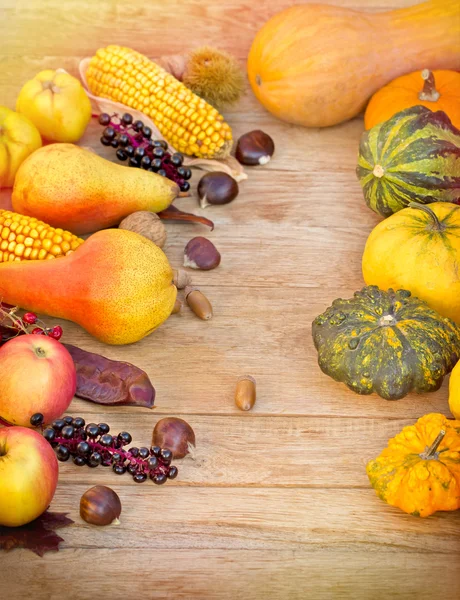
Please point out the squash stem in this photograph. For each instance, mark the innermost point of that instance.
(437, 225)
(431, 450)
(429, 92)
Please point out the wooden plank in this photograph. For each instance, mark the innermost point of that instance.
(263, 452)
(329, 257)
(232, 574)
(250, 519)
(55, 28)
(264, 332)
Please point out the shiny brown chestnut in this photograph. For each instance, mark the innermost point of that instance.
(174, 434)
(100, 505)
(217, 188)
(254, 148)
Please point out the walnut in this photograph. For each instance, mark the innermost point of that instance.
(147, 224)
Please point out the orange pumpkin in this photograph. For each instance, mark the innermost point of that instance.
(436, 90)
(317, 65)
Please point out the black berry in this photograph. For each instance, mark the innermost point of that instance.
(104, 119)
(36, 420)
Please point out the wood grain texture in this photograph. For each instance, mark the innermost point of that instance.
(287, 574)
(277, 504)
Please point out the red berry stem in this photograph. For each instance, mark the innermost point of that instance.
(12, 325)
(136, 140)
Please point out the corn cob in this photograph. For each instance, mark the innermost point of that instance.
(185, 120)
(26, 238)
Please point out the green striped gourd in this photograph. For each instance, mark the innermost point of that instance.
(412, 157)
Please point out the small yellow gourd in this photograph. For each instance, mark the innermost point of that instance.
(419, 471)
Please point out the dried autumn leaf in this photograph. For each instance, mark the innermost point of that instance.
(174, 214)
(38, 536)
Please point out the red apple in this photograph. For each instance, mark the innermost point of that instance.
(37, 375)
(28, 475)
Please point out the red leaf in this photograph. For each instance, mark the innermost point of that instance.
(174, 214)
(38, 536)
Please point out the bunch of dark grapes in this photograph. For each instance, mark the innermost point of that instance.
(134, 144)
(93, 445)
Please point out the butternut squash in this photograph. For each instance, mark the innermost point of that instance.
(317, 65)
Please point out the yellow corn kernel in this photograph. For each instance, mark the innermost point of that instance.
(26, 238)
(19, 249)
(46, 244)
(124, 75)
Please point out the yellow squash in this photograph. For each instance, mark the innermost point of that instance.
(454, 392)
(419, 471)
(418, 249)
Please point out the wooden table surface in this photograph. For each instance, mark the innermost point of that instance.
(277, 504)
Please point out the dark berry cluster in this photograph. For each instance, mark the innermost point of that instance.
(134, 144)
(13, 325)
(93, 445)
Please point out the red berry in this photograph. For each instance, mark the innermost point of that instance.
(38, 331)
(30, 318)
(56, 332)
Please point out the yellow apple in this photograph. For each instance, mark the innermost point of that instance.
(18, 138)
(28, 475)
(57, 104)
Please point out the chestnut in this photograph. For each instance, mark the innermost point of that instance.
(100, 505)
(174, 434)
(200, 253)
(254, 148)
(217, 188)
